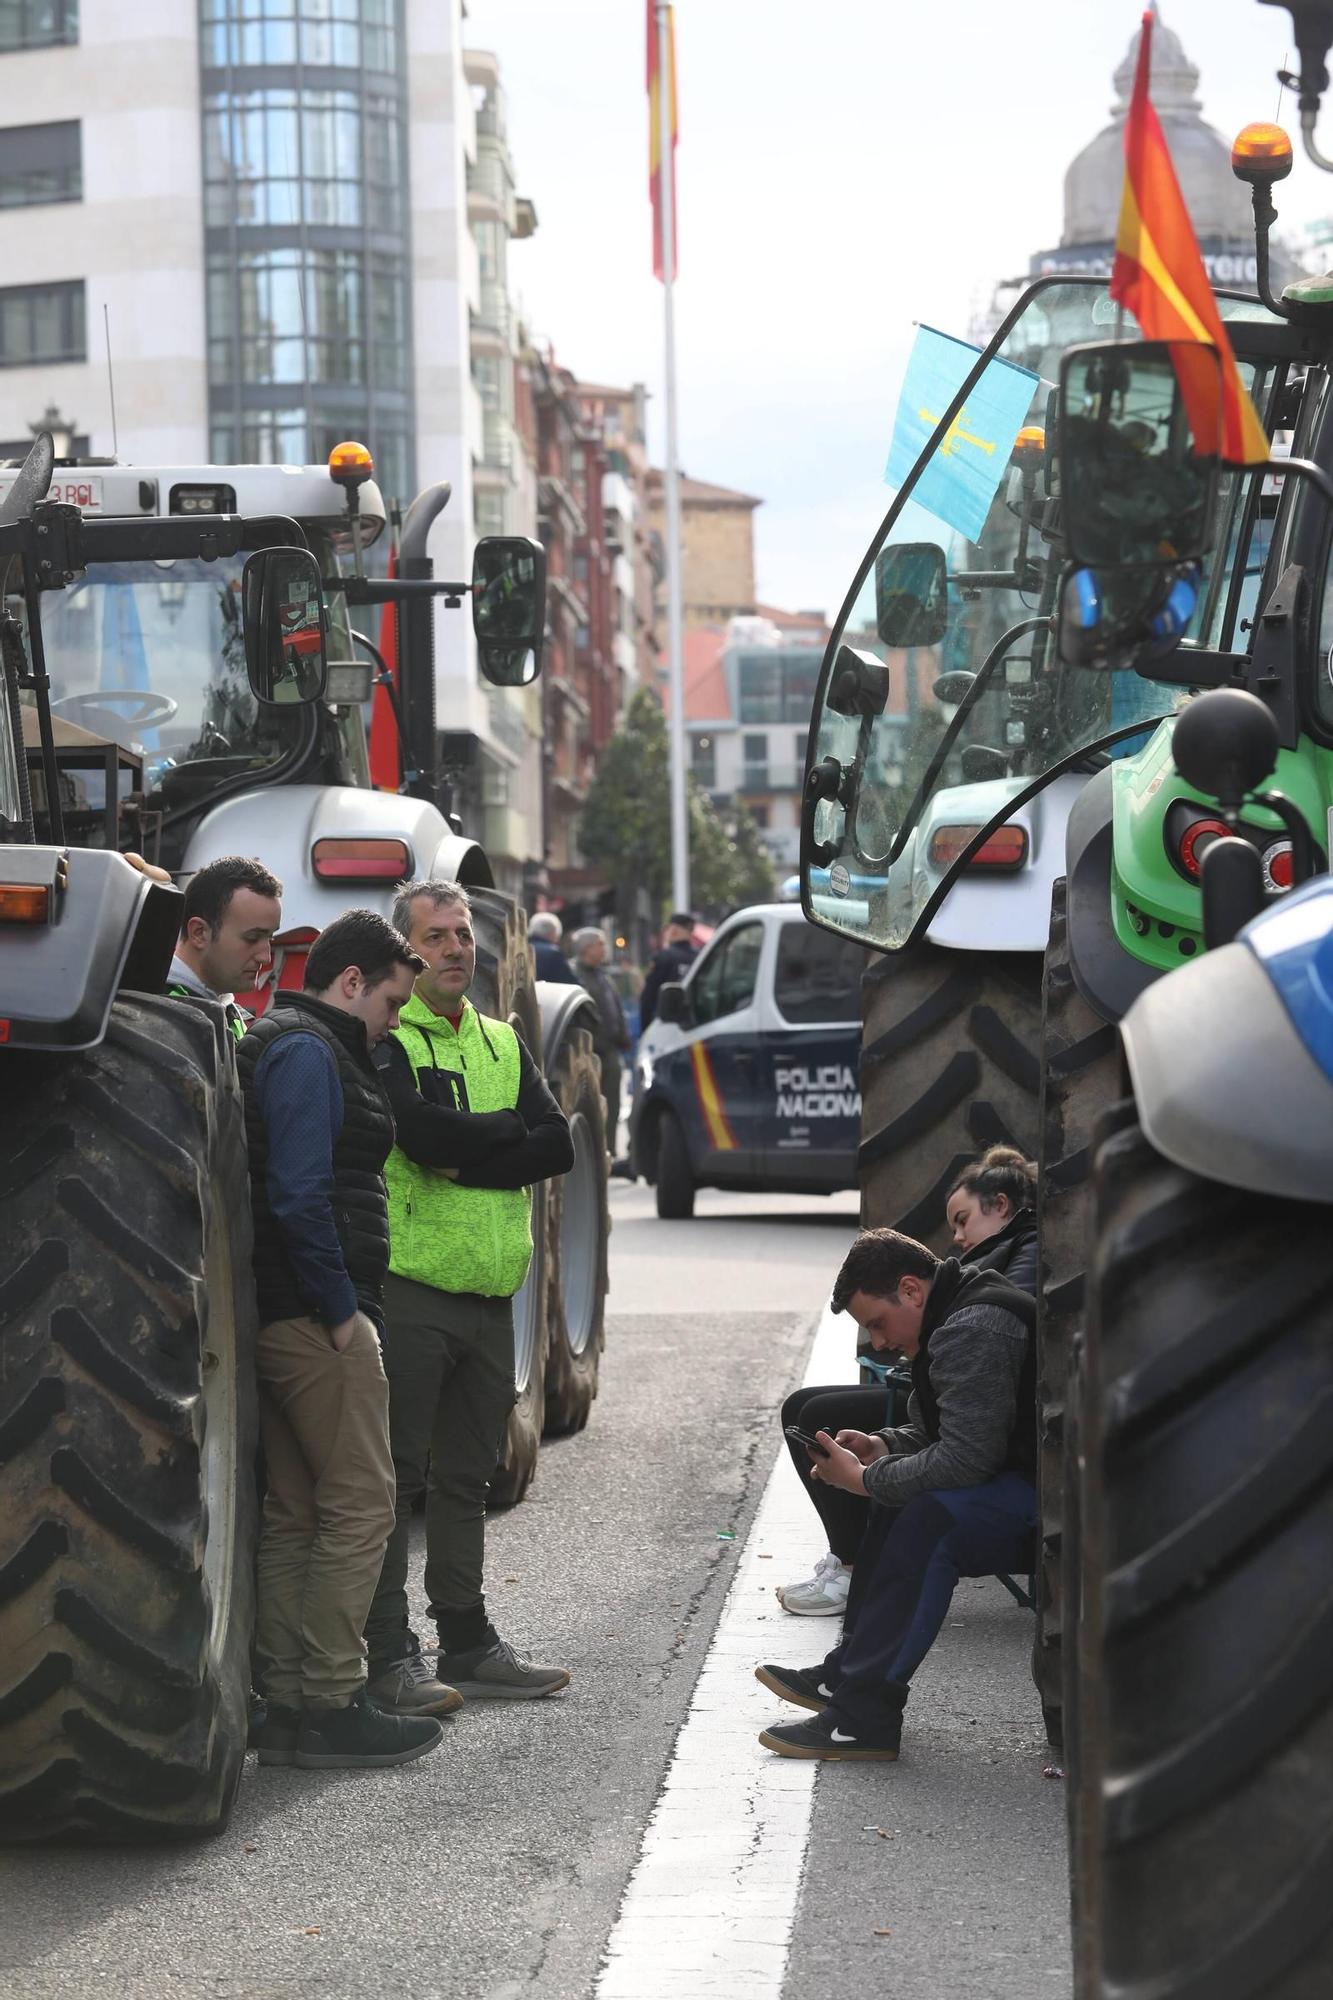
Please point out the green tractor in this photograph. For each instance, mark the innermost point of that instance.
(1122, 619)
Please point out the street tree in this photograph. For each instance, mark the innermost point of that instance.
(626, 825)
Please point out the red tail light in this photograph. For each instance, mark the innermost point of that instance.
(1278, 872)
(361, 860)
(1196, 840)
(1005, 851)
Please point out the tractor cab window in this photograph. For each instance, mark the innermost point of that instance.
(941, 696)
(151, 655)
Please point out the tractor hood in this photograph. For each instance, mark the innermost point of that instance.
(283, 825)
(1232, 1055)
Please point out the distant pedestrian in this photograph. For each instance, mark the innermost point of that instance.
(319, 1131)
(231, 910)
(611, 1035)
(477, 1127)
(545, 931)
(672, 962)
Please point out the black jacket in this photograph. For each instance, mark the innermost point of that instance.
(360, 1207)
(492, 1149)
(669, 964)
(1011, 1254)
(973, 1407)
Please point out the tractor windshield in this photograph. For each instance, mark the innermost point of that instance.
(941, 697)
(151, 655)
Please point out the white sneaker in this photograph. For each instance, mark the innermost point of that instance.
(823, 1595)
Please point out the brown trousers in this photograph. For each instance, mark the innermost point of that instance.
(328, 1509)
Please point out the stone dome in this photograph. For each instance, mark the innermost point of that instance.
(1219, 204)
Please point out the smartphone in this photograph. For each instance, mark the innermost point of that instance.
(805, 1438)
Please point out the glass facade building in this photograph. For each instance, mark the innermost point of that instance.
(307, 231)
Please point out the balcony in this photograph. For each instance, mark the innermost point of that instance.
(568, 596)
(763, 779)
(555, 496)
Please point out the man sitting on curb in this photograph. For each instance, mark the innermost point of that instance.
(954, 1485)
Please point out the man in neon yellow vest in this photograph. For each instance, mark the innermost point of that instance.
(476, 1127)
(231, 910)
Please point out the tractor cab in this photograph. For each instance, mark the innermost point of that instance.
(974, 664)
(148, 655)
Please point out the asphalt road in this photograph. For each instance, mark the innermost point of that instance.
(493, 1869)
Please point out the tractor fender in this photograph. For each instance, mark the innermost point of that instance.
(113, 929)
(282, 824)
(563, 1008)
(1230, 1057)
(1107, 978)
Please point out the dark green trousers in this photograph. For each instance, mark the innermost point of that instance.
(449, 1357)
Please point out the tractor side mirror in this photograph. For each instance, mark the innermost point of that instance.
(282, 615)
(911, 594)
(509, 608)
(1139, 443)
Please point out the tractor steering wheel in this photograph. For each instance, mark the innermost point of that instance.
(142, 709)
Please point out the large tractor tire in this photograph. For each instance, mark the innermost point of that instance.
(1080, 1078)
(578, 1230)
(127, 1432)
(504, 987)
(948, 1067)
(1204, 1818)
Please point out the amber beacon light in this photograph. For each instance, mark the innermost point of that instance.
(350, 463)
(1261, 152)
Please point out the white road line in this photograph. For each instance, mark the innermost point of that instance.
(709, 1907)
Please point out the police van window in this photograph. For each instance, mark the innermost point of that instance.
(818, 976)
(725, 981)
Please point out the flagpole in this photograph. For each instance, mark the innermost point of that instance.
(680, 838)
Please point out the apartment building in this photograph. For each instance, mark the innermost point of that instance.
(289, 221)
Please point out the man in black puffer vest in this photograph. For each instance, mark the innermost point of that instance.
(319, 1130)
(953, 1486)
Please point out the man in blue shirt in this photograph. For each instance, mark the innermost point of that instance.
(319, 1130)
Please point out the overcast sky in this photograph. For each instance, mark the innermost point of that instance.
(845, 167)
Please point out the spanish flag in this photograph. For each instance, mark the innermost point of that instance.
(655, 164)
(1159, 274)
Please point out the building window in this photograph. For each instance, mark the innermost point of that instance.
(703, 762)
(284, 316)
(777, 685)
(488, 508)
(283, 157)
(38, 24)
(754, 750)
(339, 34)
(41, 323)
(40, 163)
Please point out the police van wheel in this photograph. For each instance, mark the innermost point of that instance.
(1080, 1078)
(948, 1067)
(577, 1234)
(504, 986)
(127, 1433)
(675, 1182)
(1204, 1817)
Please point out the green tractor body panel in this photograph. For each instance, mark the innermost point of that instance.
(1155, 908)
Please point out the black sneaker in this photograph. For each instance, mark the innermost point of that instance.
(803, 1685)
(823, 1738)
(361, 1735)
(274, 1737)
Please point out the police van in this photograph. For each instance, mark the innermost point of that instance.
(747, 1078)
